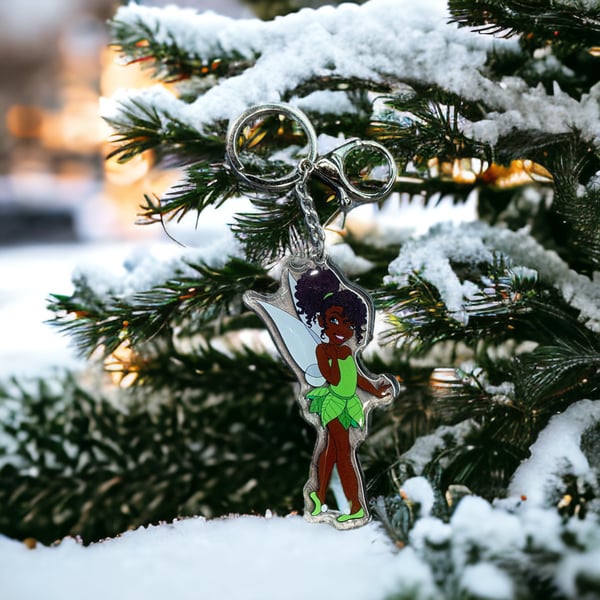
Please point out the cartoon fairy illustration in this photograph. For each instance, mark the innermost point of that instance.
(320, 323)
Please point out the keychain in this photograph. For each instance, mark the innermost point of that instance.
(319, 321)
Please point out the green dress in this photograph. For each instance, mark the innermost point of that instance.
(339, 401)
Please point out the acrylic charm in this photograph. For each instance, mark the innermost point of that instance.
(319, 321)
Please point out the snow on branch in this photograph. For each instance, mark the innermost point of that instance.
(472, 243)
(381, 41)
(556, 452)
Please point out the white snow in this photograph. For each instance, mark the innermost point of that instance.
(430, 256)
(539, 477)
(245, 557)
(348, 41)
(27, 276)
(418, 489)
(381, 40)
(495, 531)
(578, 567)
(487, 582)
(483, 542)
(143, 266)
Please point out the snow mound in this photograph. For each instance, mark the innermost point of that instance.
(557, 452)
(244, 557)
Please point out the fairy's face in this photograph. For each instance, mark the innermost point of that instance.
(336, 326)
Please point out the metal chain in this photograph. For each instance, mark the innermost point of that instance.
(316, 233)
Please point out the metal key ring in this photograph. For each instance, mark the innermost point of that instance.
(235, 132)
(331, 168)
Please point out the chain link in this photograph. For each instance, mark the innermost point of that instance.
(316, 233)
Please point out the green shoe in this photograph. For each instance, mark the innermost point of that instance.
(318, 506)
(359, 514)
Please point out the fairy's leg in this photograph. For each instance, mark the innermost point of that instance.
(327, 460)
(343, 452)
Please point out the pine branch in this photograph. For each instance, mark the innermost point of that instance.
(563, 368)
(138, 42)
(207, 296)
(353, 86)
(549, 21)
(188, 366)
(95, 466)
(503, 426)
(560, 371)
(484, 464)
(205, 184)
(276, 226)
(356, 122)
(426, 125)
(574, 166)
(420, 319)
(267, 233)
(142, 126)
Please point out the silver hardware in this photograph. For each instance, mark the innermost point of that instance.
(335, 168)
(235, 133)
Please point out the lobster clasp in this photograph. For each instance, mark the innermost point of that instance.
(359, 170)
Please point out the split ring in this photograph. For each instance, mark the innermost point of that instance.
(237, 135)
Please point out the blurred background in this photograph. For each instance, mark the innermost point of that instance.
(61, 201)
(54, 182)
(55, 185)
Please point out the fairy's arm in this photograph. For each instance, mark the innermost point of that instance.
(328, 365)
(365, 384)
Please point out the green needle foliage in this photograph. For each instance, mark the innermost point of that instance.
(209, 295)
(93, 467)
(577, 25)
(426, 125)
(212, 178)
(141, 43)
(141, 127)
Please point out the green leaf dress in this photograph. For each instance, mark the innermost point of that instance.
(339, 401)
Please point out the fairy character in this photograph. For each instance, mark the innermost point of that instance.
(341, 315)
(320, 323)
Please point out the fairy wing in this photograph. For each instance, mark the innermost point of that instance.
(295, 341)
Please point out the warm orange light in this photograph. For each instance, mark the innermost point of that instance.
(443, 377)
(24, 121)
(77, 128)
(518, 172)
(472, 170)
(466, 170)
(121, 366)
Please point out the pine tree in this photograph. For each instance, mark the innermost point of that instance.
(492, 325)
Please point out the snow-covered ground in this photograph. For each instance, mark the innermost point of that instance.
(272, 557)
(237, 558)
